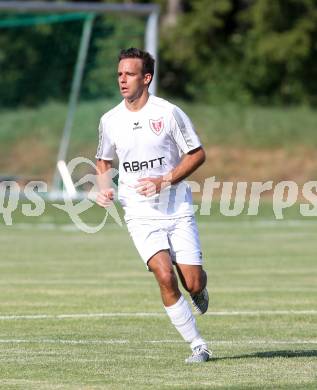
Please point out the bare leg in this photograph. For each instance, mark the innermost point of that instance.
(176, 306)
(161, 265)
(193, 277)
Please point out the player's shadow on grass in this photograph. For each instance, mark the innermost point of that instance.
(273, 354)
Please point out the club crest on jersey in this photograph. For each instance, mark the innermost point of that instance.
(157, 125)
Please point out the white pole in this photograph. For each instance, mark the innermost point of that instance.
(74, 95)
(67, 179)
(151, 40)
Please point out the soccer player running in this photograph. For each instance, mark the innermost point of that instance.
(157, 148)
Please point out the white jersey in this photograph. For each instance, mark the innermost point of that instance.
(149, 143)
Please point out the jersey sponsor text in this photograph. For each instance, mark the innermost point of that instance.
(134, 166)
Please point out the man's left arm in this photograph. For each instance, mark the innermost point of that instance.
(189, 163)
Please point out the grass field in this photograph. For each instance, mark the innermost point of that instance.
(79, 311)
(40, 129)
(228, 124)
(245, 143)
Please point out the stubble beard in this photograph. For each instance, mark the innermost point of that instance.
(136, 96)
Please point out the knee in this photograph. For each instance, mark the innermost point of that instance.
(194, 287)
(196, 284)
(167, 279)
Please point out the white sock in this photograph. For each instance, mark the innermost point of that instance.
(184, 321)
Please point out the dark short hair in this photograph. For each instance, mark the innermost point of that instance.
(147, 60)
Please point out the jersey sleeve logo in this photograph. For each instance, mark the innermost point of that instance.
(157, 125)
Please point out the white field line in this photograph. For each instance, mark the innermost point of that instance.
(253, 223)
(259, 222)
(119, 341)
(52, 341)
(262, 312)
(102, 283)
(151, 314)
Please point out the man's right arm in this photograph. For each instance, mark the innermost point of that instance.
(106, 192)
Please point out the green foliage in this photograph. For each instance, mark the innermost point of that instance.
(37, 61)
(111, 34)
(204, 56)
(280, 46)
(245, 51)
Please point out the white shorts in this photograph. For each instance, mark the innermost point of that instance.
(179, 236)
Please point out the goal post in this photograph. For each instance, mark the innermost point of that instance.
(73, 99)
(152, 11)
(32, 12)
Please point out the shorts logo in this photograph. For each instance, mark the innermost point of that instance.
(157, 125)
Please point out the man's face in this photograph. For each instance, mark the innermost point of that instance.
(130, 78)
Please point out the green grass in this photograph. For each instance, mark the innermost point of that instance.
(227, 124)
(29, 138)
(255, 267)
(254, 126)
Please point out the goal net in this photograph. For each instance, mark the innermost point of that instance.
(57, 77)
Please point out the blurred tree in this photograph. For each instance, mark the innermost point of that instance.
(36, 62)
(199, 52)
(173, 11)
(111, 34)
(281, 51)
(243, 50)
(260, 51)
